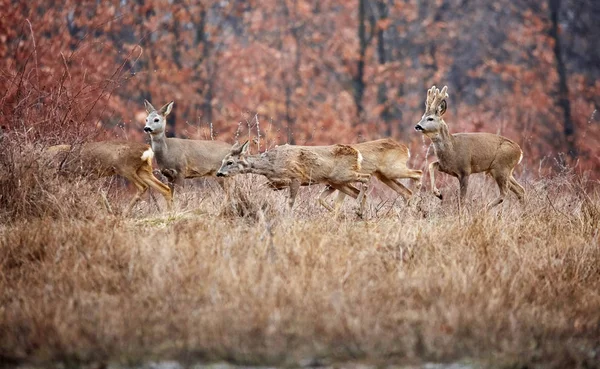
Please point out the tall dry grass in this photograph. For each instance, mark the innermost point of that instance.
(513, 287)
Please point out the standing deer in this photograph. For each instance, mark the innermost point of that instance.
(462, 154)
(182, 158)
(131, 160)
(293, 166)
(385, 159)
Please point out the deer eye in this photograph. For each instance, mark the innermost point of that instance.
(230, 162)
(156, 120)
(430, 119)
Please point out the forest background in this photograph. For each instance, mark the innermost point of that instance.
(308, 72)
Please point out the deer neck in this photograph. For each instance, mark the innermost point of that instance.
(159, 143)
(260, 164)
(443, 143)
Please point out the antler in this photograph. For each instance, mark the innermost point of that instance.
(435, 98)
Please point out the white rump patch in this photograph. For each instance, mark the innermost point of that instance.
(360, 157)
(148, 155)
(520, 158)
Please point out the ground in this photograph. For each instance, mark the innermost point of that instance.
(514, 287)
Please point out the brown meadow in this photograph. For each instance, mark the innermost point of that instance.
(512, 287)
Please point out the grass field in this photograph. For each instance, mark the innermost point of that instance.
(515, 287)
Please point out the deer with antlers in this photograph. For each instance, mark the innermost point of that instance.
(462, 154)
(182, 158)
(131, 160)
(291, 166)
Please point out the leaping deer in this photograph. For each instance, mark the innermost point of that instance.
(337, 166)
(385, 159)
(131, 160)
(462, 154)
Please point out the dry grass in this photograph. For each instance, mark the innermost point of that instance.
(514, 287)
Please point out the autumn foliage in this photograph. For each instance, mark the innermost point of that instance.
(305, 72)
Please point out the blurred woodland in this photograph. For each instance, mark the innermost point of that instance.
(307, 72)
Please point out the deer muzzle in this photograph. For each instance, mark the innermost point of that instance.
(147, 129)
(220, 174)
(419, 128)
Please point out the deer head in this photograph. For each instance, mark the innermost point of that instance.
(156, 119)
(235, 162)
(435, 106)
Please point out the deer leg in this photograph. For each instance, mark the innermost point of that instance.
(327, 191)
(396, 186)
(174, 177)
(417, 180)
(141, 189)
(363, 177)
(464, 185)
(517, 189)
(157, 185)
(350, 190)
(339, 200)
(412, 196)
(294, 187)
(414, 175)
(432, 168)
(502, 181)
(362, 198)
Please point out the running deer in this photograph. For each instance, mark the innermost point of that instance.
(291, 166)
(385, 159)
(182, 158)
(131, 160)
(462, 154)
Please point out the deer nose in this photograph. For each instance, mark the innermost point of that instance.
(147, 129)
(220, 174)
(418, 128)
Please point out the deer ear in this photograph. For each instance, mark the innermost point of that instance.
(149, 107)
(238, 149)
(442, 107)
(245, 148)
(165, 110)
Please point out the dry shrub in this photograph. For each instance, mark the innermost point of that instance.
(34, 185)
(513, 287)
(44, 106)
(29, 186)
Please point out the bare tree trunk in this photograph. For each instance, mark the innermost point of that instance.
(205, 88)
(382, 90)
(291, 86)
(563, 88)
(288, 115)
(176, 35)
(359, 83)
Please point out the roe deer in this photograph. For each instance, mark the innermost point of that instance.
(182, 158)
(385, 159)
(131, 160)
(462, 154)
(293, 166)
